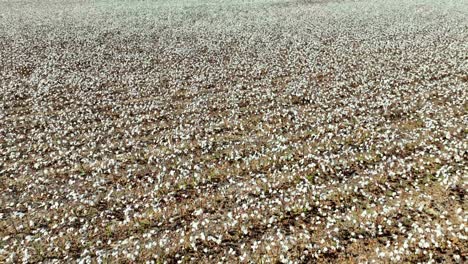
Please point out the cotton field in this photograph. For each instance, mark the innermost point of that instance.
(243, 131)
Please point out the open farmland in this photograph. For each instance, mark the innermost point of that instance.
(259, 131)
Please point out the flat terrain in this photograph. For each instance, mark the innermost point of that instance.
(259, 131)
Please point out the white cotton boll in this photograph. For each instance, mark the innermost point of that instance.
(198, 212)
(244, 230)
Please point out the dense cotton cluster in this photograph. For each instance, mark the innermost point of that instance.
(262, 130)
